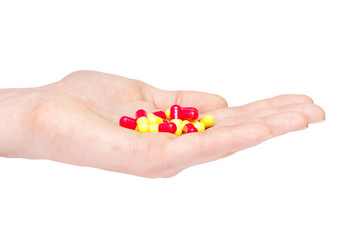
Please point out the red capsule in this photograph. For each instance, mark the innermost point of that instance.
(140, 113)
(175, 112)
(160, 114)
(189, 128)
(169, 127)
(190, 113)
(128, 122)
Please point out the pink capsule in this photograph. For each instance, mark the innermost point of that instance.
(128, 122)
(160, 114)
(189, 128)
(190, 113)
(169, 127)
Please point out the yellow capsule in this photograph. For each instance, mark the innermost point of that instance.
(167, 112)
(198, 125)
(178, 123)
(153, 119)
(207, 120)
(143, 125)
(184, 122)
(154, 128)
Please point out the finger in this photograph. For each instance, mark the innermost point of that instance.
(221, 142)
(313, 113)
(278, 101)
(216, 143)
(204, 102)
(281, 123)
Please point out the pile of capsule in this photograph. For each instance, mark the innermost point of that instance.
(175, 120)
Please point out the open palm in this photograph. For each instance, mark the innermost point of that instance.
(77, 119)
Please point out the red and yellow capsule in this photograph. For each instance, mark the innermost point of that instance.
(153, 119)
(176, 118)
(198, 125)
(169, 127)
(128, 122)
(160, 114)
(189, 128)
(142, 121)
(190, 113)
(184, 122)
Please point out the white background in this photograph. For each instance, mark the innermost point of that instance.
(298, 186)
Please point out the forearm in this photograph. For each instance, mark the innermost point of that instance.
(15, 108)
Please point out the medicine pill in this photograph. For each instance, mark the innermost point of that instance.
(198, 125)
(207, 120)
(167, 113)
(175, 112)
(176, 118)
(169, 127)
(128, 122)
(142, 121)
(184, 122)
(189, 128)
(153, 119)
(160, 114)
(190, 113)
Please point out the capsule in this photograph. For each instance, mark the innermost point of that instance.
(142, 121)
(169, 127)
(189, 128)
(190, 113)
(198, 125)
(160, 114)
(153, 119)
(167, 113)
(184, 122)
(128, 122)
(176, 117)
(207, 120)
(175, 112)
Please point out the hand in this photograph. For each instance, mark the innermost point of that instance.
(76, 121)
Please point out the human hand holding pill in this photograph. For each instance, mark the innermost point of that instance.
(76, 121)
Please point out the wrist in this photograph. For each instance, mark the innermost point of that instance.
(16, 106)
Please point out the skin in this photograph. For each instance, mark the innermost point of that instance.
(75, 121)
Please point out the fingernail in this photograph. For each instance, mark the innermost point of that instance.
(319, 121)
